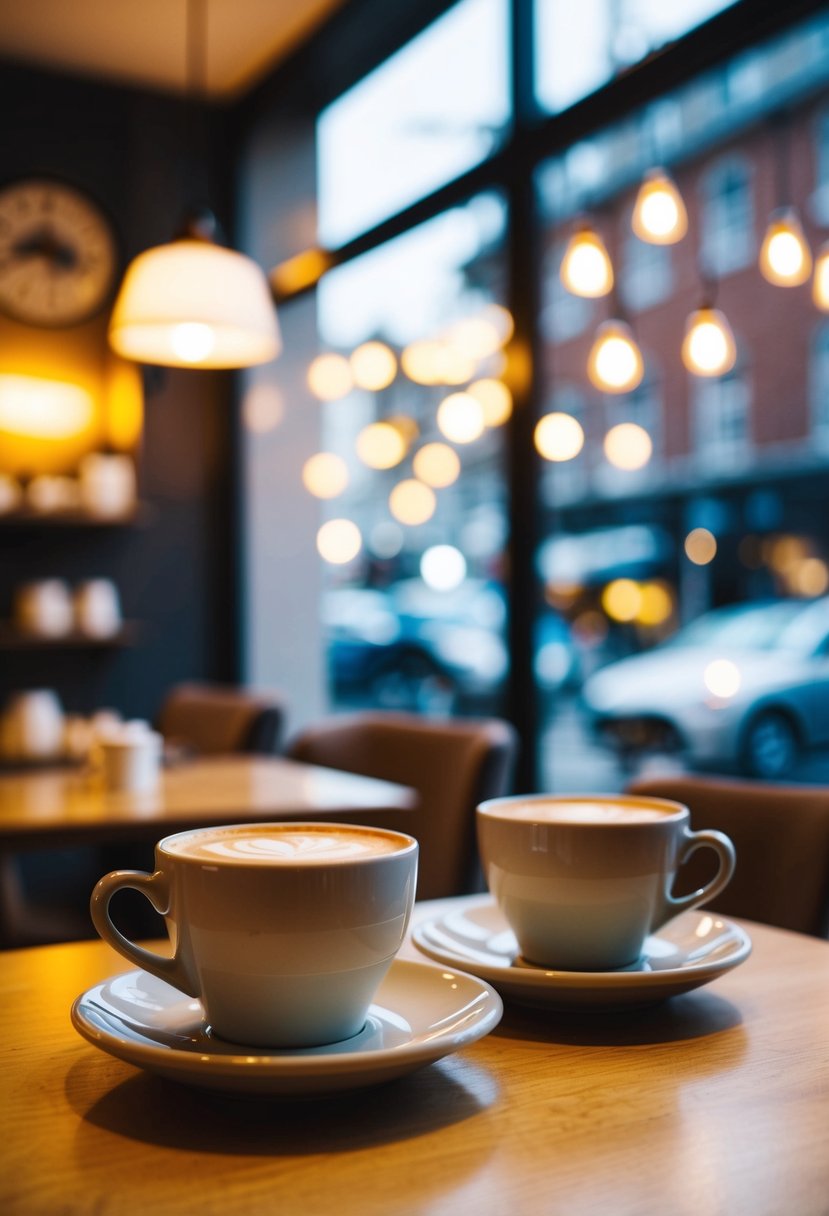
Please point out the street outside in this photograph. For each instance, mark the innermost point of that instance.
(572, 762)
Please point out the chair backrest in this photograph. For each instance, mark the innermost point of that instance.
(215, 719)
(452, 765)
(781, 835)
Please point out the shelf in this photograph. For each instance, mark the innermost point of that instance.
(141, 516)
(15, 639)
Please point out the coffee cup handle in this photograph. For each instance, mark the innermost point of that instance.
(692, 841)
(155, 888)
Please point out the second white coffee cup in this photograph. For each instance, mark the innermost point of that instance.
(284, 931)
(582, 881)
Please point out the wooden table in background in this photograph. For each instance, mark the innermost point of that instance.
(61, 807)
(714, 1104)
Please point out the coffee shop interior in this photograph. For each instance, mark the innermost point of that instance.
(404, 406)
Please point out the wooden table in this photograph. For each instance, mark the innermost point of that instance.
(57, 808)
(714, 1104)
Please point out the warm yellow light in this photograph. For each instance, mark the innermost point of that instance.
(411, 502)
(194, 304)
(124, 404)
(475, 337)
(460, 418)
(325, 475)
(44, 409)
(722, 678)
(785, 257)
(810, 577)
(586, 269)
(380, 445)
(300, 271)
(628, 446)
(558, 437)
(700, 546)
(329, 377)
(820, 282)
(495, 399)
(622, 599)
(708, 348)
(656, 605)
(373, 366)
(339, 541)
(615, 363)
(421, 362)
(263, 408)
(437, 465)
(659, 215)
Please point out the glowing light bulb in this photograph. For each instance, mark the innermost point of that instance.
(460, 418)
(820, 282)
(708, 348)
(558, 437)
(192, 341)
(628, 446)
(615, 364)
(586, 268)
(373, 366)
(329, 377)
(659, 215)
(785, 257)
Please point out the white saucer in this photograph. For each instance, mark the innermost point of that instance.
(420, 1013)
(689, 951)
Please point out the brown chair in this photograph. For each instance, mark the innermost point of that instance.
(781, 834)
(452, 765)
(214, 719)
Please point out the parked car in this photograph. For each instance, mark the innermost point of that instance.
(744, 687)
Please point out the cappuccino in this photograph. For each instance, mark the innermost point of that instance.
(291, 844)
(588, 811)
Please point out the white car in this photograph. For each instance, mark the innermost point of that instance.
(744, 687)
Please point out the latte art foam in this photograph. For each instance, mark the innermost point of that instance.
(582, 812)
(291, 845)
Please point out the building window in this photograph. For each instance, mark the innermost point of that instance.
(819, 385)
(727, 217)
(647, 274)
(721, 421)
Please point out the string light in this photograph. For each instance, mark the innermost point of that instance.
(785, 257)
(659, 215)
(708, 348)
(615, 363)
(586, 269)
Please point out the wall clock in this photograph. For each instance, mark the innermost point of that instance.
(58, 253)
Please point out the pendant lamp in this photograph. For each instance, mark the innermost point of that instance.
(194, 302)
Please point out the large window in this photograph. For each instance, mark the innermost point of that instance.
(693, 482)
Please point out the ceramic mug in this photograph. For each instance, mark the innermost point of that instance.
(33, 725)
(582, 881)
(129, 756)
(44, 608)
(97, 608)
(284, 931)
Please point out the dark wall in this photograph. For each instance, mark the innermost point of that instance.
(174, 572)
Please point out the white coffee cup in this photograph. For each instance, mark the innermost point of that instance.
(33, 725)
(582, 881)
(44, 608)
(107, 484)
(97, 608)
(129, 756)
(282, 930)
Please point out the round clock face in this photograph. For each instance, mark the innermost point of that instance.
(57, 254)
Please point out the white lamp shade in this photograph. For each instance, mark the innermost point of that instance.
(194, 304)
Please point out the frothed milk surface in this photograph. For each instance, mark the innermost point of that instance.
(292, 844)
(582, 812)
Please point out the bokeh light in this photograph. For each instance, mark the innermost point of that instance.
(411, 502)
(495, 399)
(373, 366)
(700, 546)
(380, 445)
(460, 417)
(325, 475)
(339, 541)
(722, 678)
(263, 408)
(558, 437)
(437, 465)
(628, 446)
(443, 567)
(329, 377)
(622, 599)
